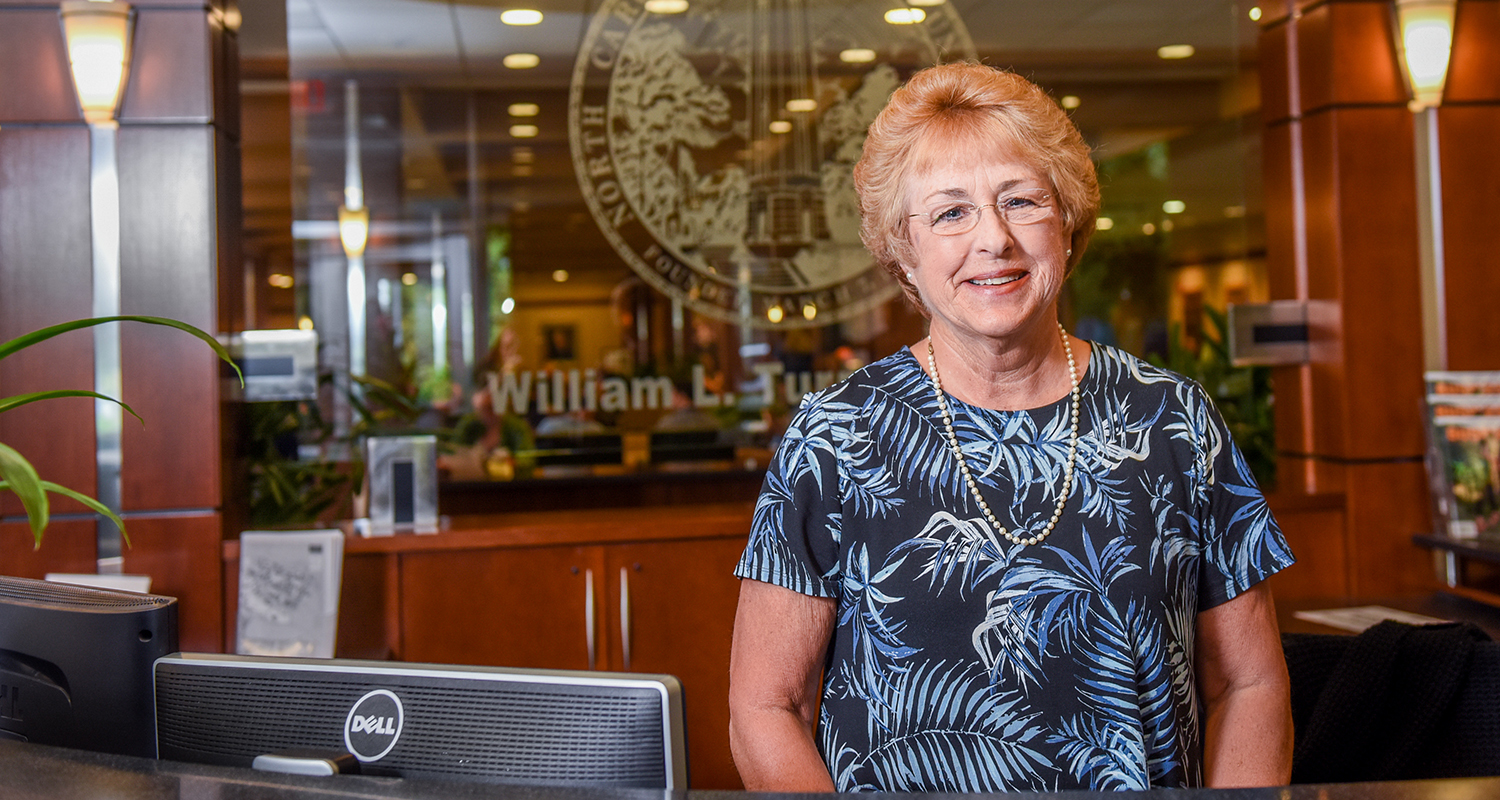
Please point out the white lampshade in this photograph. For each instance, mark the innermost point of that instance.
(354, 230)
(1426, 41)
(98, 37)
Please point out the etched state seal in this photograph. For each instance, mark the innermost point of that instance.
(715, 146)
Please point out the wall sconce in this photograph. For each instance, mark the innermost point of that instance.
(1425, 29)
(98, 37)
(354, 230)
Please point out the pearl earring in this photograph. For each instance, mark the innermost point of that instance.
(1070, 252)
(908, 275)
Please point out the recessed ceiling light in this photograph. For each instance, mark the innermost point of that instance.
(775, 314)
(781, 126)
(523, 109)
(523, 131)
(857, 55)
(522, 155)
(507, 305)
(809, 312)
(928, 3)
(1255, 13)
(520, 16)
(801, 104)
(905, 16)
(1070, 101)
(560, 275)
(1103, 224)
(521, 60)
(1166, 226)
(1174, 206)
(1174, 51)
(666, 6)
(409, 278)
(1148, 229)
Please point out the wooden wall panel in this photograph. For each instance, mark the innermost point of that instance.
(170, 89)
(1471, 204)
(45, 274)
(1347, 56)
(167, 269)
(33, 55)
(1388, 503)
(1474, 72)
(67, 546)
(183, 556)
(1275, 75)
(1317, 538)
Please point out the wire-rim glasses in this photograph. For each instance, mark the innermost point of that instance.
(1018, 208)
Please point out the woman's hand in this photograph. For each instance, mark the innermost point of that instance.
(1242, 676)
(775, 671)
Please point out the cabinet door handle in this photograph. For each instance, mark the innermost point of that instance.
(588, 612)
(625, 616)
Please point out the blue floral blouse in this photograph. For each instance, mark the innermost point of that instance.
(959, 665)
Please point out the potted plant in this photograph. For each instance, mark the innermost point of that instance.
(16, 473)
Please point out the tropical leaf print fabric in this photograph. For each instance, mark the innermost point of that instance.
(961, 662)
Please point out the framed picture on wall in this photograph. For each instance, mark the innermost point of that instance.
(559, 342)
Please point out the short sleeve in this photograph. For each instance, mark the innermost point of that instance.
(1242, 544)
(795, 536)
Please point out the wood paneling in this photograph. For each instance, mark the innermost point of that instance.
(1347, 56)
(182, 554)
(1388, 503)
(1474, 72)
(179, 88)
(67, 546)
(1318, 538)
(167, 269)
(34, 68)
(1275, 94)
(45, 274)
(1471, 205)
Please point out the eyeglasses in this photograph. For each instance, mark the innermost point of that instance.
(1022, 208)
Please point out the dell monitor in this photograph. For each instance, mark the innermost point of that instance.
(76, 662)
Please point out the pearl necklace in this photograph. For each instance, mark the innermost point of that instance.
(963, 466)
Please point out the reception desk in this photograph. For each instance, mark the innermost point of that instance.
(33, 772)
(640, 589)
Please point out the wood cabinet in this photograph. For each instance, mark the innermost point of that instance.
(626, 590)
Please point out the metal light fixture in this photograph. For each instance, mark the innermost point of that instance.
(98, 40)
(1424, 36)
(1425, 43)
(98, 37)
(354, 230)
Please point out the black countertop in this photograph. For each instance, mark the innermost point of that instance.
(30, 772)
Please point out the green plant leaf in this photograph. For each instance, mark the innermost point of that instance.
(97, 506)
(17, 475)
(26, 340)
(8, 403)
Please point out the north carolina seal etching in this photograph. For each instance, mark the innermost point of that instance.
(714, 147)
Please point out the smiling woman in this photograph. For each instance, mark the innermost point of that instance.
(1036, 545)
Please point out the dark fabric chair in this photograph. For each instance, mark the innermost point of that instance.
(1396, 702)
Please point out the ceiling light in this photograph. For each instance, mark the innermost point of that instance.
(280, 280)
(857, 55)
(1175, 51)
(1174, 206)
(521, 61)
(666, 6)
(928, 3)
(354, 230)
(408, 279)
(524, 131)
(781, 126)
(507, 305)
(1426, 45)
(905, 16)
(1166, 226)
(802, 104)
(809, 312)
(98, 41)
(560, 275)
(521, 16)
(1103, 224)
(775, 314)
(1148, 229)
(523, 109)
(1255, 13)
(1070, 101)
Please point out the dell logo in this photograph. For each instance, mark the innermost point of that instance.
(373, 725)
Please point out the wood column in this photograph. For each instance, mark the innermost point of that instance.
(1341, 200)
(178, 151)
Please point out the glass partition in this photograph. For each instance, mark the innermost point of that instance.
(620, 236)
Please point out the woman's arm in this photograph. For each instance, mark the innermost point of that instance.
(775, 668)
(1243, 679)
